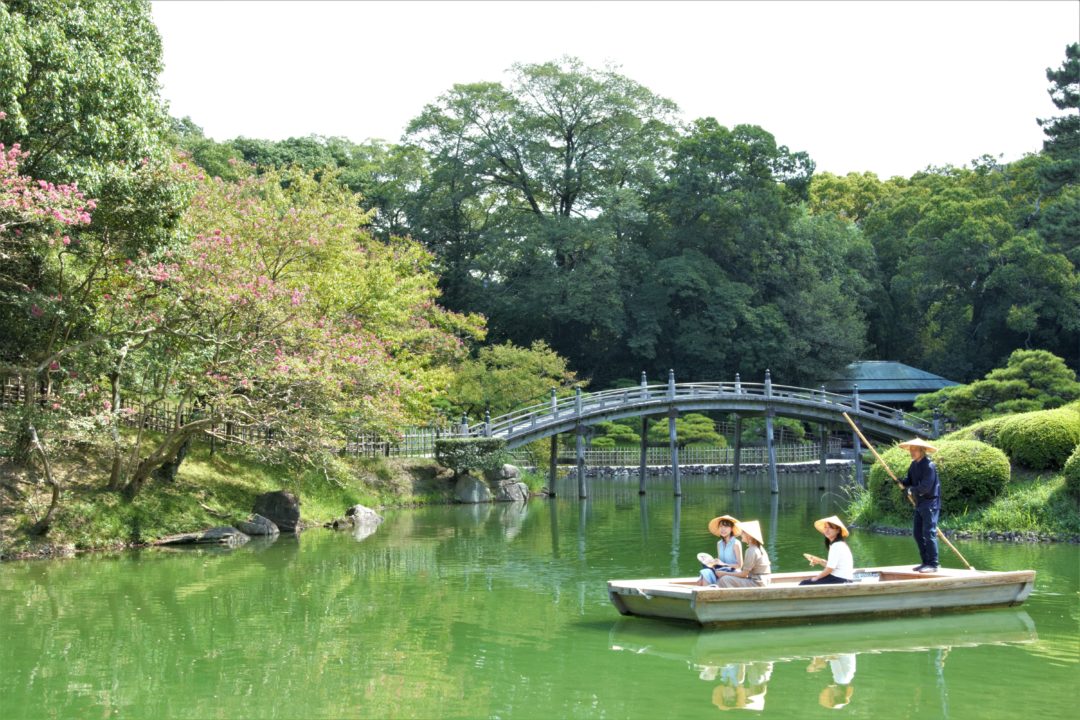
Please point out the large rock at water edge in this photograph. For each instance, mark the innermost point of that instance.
(222, 535)
(471, 490)
(279, 507)
(363, 521)
(503, 474)
(257, 525)
(517, 492)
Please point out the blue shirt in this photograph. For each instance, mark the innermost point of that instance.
(725, 552)
(923, 480)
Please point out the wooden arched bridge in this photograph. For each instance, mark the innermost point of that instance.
(574, 414)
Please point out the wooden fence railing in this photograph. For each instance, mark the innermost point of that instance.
(163, 416)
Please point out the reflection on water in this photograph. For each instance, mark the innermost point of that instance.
(740, 663)
(842, 667)
(501, 611)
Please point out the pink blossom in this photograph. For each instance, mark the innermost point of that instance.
(36, 311)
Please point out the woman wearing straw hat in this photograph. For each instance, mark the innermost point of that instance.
(728, 550)
(925, 489)
(840, 567)
(755, 570)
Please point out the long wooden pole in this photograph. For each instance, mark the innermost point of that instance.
(893, 476)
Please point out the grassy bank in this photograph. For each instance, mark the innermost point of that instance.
(209, 490)
(1033, 506)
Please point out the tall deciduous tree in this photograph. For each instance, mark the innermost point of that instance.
(80, 86)
(540, 178)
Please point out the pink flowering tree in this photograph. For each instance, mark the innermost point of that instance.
(33, 214)
(282, 315)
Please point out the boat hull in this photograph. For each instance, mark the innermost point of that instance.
(894, 591)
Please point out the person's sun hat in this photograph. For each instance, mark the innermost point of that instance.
(832, 519)
(919, 443)
(714, 525)
(753, 529)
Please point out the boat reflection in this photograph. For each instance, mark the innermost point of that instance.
(740, 663)
(842, 667)
(742, 685)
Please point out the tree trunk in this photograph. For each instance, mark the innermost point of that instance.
(165, 452)
(23, 449)
(42, 526)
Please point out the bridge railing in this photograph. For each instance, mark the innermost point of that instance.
(560, 409)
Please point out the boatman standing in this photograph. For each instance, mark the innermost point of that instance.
(924, 488)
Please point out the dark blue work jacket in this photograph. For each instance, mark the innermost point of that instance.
(923, 480)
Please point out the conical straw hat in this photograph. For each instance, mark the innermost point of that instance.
(753, 529)
(820, 525)
(714, 525)
(918, 442)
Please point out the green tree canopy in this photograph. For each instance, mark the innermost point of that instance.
(692, 428)
(1031, 380)
(1062, 143)
(80, 86)
(503, 377)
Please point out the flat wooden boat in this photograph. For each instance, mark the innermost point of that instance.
(894, 590)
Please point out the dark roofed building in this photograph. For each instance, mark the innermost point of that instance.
(884, 381)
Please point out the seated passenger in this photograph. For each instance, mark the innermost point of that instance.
(728, 550)
(755, 569)
(840, 567)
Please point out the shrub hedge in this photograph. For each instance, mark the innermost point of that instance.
(1041, 440)
(1038, 440)
(462, 454)
(1072, 473)
(972, 473)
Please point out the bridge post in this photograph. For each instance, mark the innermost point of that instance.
(672, 435)
(823, 437)
(464, 424)
(553, 457)
(738, 446)
(738, 384)
(855, 438)
(644, 454)
(553, 464)
(774, 481)
(579, 432)
(487, 423)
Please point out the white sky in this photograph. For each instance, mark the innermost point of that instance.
(889, 87)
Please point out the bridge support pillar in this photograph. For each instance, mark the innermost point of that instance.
(673, 437)
(553, 465)
(644, 454)
(579, 437)
(736, 487)
(674, 441)
(579, 444)
(774, 481)
(823, 437)
(856, 442)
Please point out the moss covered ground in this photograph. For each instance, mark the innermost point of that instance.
(209, 489)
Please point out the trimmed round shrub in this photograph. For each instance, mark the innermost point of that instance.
(1041, 440)
(971, 473)
(888, 497)
(1072, 473)
(986, 431)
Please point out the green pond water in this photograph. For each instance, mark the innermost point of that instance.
(501, 612)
